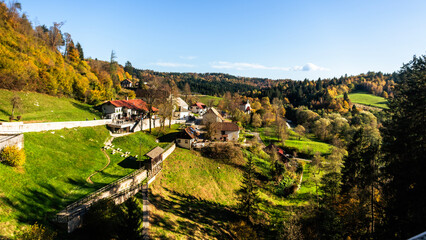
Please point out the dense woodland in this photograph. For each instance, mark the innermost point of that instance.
(372, 184)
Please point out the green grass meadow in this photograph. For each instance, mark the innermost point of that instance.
(307, 145)
(205, 99)
(54, 175)
(37, 107)
(368, 99)
(192, 197)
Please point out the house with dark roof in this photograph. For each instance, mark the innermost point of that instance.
(199, 108)
(226, 131)
(126, 83)
(212, 116)
(187, 137)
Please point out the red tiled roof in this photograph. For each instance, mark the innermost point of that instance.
(136, 104)
(200, 105)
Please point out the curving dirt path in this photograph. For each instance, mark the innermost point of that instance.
(100, 170)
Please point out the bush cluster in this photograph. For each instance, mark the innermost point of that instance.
(13, 156)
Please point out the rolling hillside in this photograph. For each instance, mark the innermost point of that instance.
(37, 107)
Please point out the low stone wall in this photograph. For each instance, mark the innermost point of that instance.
(11, 139)
(168, 151)
(47, 126)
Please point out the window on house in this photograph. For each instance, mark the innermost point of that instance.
(178, 140)
(186, 141)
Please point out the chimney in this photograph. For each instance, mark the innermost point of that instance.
(127, 98)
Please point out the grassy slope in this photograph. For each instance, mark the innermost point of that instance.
(308, 144)
(191, 195)
(54, 175)
(367, 99)
(205, 98)
(49, 109)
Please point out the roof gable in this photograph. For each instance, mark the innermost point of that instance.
(157, 151)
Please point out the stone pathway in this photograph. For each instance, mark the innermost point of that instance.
(145, 221)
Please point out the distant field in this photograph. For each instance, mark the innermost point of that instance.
(39, 107)
(205, 99)
(307, 145)
(367, 99)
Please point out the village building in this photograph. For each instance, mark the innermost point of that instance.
(155, 161)
(130, 109)
(181, 111)
(212, 116)
(245, 107)
(126, 83)
(226, 131)
(198, 108)
(187, 138)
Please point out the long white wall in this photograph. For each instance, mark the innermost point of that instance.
(38, 127)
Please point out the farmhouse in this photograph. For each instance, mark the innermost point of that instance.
(198, 107)
(226, 131)
(212, 116)
(187, 137)
(181, 111)
(119, 109)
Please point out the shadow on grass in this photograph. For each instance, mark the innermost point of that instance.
(87, 109)
(41, 203)
(170, 137)
(203, 216)
(129, 162)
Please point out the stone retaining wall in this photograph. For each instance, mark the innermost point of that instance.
(47, 126)
(11, 139)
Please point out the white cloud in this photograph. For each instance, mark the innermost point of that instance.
(248, 66)
(173, 64)
(313, 67)
(188, 57)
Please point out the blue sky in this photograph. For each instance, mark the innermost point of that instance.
(274, 39)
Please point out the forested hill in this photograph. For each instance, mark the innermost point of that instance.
(46, 60)
(30, 59)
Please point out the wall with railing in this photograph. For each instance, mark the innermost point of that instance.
(119, 191)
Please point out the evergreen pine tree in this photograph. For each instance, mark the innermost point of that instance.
(404, 148)
(247, 194)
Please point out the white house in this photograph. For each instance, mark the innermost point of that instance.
(181, 112)
(199, 108)
(226, 131)
(187, 137)
(118, 109)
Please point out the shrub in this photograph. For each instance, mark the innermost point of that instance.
(36, 231)
(13, 156)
